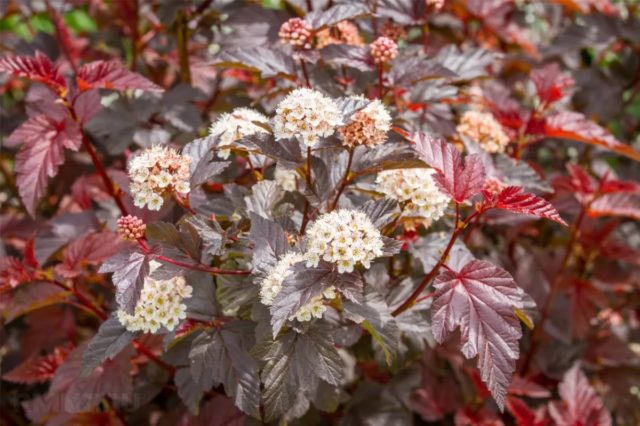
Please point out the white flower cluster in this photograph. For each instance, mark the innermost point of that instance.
(344, 237)
(272, 284)
(369, 126)
(233, 126)
(286, 178)
(308, 114)
(156, 173)
(483, 128)
(417, 190)
(160, 305)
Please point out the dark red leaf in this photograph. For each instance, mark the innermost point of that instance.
(480, 300)
(43, 141)
(515, 200)
(87, 104)
(551, 83)
(38, 369)
(13, 272)
(575, 126)
(89, 249)
(620, 204)
(38, 68)
(525, 415)
(580, 404)
(112, 75)
(457, 179)
(585, 299)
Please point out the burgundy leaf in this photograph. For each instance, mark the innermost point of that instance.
(585, 299)
(515, 200)
(13, 272)
(524, 387)
(551, 83)
(620, 204)
(87, 104)
(42, 141)
(457, 179)
(575, 126)
(38, 68)
(580, 404)
(525, 415)
(480, 300)
(112, 75)
(91, 249)
(37, 369)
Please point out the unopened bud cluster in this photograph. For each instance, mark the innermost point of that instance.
(156, 173)
(231, 127)
(160, 305)
(416, 190)
(307, 114)
(483, 128)
(343, 237)
(272, 284)
(296, 32)
(383, 50)
(131, 227)
(369, 126)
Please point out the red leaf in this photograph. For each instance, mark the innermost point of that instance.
(580, 404)
(457, 179)
(575, 126)
(515, 200)
(524, 415)
(38, 68)
(524, 387)
(37, 369)
(112, 75)
(551, 83)
(43, 141)
(91, 248)
(585, 299)
(13, 272)
(480, 300)
(620, 204)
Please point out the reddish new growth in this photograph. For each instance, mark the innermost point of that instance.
(131, 227)
(296, 32)
(383, 50)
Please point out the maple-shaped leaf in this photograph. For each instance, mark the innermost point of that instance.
(130, 269)
(575, 126)
(516, 200)
(112, 75)
(42, 141)
(480, 299)
(90, 249)
(38, 369)
(460, 180)
(551, 83)
(580, 404)
(36, 68)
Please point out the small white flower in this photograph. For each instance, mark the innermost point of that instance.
(484, 129)
(286, 178)
(233, 126)
(307, 114)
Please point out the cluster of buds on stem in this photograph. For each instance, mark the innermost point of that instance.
(383, 50)
(296, 32)
(131, 227)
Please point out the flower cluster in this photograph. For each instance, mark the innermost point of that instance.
(131, 227)
(369, 126)
(160, 305)
(287, 179)
(416, 190)
(484, 129)
(344, 32)
(233, 126)
(156, 173)
(296, 32)
(308, 114)
(383, 50)
(272, 284)
(344, 237)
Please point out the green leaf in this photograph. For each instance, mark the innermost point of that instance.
(80, 21)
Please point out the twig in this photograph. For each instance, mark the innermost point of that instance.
(345, 181)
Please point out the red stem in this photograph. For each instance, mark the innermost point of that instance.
(305, 72)
(345, 181)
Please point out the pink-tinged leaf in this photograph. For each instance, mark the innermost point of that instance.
(36, 68)
(525, 415)
(551, 83)
(89, 249)
(459, 180)
(524, 387)
(480, 300)
(43, 141)
(585, 299)
(112, 75)
(620, 205)
(580, 404)
(13, 272)
(87, 104)
(515, 200)
(575, 126)
(37, 369)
